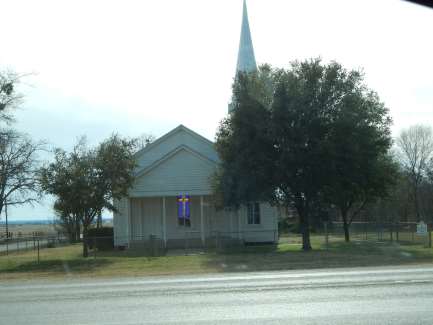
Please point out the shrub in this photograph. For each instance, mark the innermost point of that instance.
(103, 237)
(51, 244)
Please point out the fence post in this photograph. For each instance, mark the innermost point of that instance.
(365, 230)
(216, 241)
(429, 238)
(7, 245)
(378, 231)
(391, 234)
(94, 248)
(396, 231)
(326, 235)
(152, 245)
(38, 252)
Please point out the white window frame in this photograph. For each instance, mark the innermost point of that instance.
(254, 209)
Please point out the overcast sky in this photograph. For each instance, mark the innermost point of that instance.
(146, 66)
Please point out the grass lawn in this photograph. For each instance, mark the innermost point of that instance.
(67, 261)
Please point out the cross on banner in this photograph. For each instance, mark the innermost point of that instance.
(183, 206)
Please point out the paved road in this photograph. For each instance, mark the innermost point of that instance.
(339, 296)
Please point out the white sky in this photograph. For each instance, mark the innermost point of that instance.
(146, 66)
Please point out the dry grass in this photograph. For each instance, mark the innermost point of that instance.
(67, 261)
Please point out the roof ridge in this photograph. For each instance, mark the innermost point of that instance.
(168, 134)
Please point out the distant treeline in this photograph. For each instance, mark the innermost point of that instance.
(37, 222)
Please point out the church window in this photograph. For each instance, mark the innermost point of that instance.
(253, 213)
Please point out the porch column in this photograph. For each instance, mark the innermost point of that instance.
(202, 221)
(128, 222)
(164, 223)
(231, 230)
(239, 224)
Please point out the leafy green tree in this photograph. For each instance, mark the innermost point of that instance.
(351, 191)
(300, 124)
(332, 134)
(86, 181)
(307, 137)
(360, 169)
(244, 144)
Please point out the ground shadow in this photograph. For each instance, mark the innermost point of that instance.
(77, 265)
(333, 255)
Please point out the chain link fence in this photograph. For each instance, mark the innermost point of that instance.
(36, 248)
(30, 244)
(333, 232)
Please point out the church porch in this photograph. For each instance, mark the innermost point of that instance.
(156, 218)
(153, 221)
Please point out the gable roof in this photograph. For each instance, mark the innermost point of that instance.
(172, 153)
(177, 129)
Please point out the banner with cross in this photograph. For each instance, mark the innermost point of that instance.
(183, 206)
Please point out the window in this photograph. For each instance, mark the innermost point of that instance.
(253, 213)
(182, 221)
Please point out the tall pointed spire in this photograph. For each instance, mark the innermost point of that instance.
(246, 58)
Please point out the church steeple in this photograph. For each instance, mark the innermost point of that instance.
(246, 58)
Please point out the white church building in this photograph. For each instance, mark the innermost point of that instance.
(180, 165)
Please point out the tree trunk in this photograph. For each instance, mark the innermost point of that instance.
(7, 224)
(85, 243)
(418, 217)
(345, 226)
(301, 205)
(305, 230)
(99, 220)
(77, 230)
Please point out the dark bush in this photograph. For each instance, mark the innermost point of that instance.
(295, 228)
(283, 226)
(103, 237)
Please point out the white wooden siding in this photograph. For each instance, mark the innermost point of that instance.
(146, 218)
(181, 136)
(183, 172)
(182, 162)
(120, 223)
(266, 231)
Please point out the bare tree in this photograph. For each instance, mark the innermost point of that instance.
(10, 98)
(143, 141)
(416, 150)
(18, 169)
